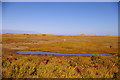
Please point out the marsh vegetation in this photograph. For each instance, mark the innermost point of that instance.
(55, 66)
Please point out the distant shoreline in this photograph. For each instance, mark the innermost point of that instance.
(58, 35)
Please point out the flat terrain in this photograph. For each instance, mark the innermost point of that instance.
(50, 66)
(63, 44)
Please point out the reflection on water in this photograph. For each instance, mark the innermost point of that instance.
(52, 53)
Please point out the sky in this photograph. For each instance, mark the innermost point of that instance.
(60, 0)
(60, 18)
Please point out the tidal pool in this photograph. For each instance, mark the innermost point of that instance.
(52, 53)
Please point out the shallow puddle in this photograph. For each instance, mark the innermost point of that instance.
(52, 53)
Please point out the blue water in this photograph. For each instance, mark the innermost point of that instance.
(52, 53)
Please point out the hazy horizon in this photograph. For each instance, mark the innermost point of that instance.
(57, 34)
(60, 18)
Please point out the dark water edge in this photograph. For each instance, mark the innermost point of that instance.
(52, 53)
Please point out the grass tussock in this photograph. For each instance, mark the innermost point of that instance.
(48, 66)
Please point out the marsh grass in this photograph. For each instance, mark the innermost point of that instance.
(50, 66)
(56, 43)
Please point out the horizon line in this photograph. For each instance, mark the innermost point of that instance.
(59, 34)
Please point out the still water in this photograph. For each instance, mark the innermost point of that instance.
(52, 53)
